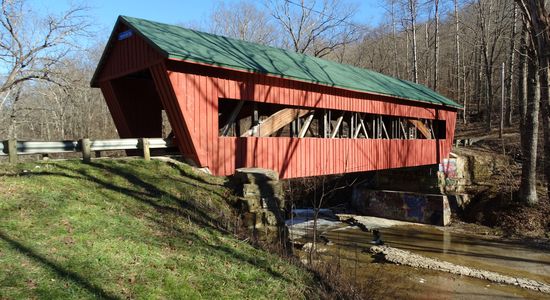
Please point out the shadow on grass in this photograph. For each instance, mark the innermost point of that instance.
(60, 271)
(171, 206)
(188, 208)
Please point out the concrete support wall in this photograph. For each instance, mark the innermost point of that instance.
(414, 207)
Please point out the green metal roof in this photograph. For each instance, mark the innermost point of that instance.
(190, 45)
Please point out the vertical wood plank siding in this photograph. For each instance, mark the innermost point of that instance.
(198, 89)
(127, 56)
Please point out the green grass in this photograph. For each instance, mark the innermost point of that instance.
(128, 229)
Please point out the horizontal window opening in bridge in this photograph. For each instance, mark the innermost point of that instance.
(237, 118)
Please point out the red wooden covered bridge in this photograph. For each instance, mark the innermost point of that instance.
(233, 104)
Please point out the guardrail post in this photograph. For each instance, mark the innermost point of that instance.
(145, 148)
(12, 151)
(86, 151)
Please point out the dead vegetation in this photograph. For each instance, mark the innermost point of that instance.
(496, 200)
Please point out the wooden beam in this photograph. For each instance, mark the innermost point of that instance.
(384, 127)
(405, 135)
(360, 124)
(337, 127)
(352, 126)
(305, 127)
(275, 122)
(325, 124)
(255, 114)
(356, 133)
(423, 129)
(364, 128)
(12, 151)
(85, 145)
(232, 118)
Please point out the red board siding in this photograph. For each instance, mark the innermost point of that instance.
(293, 157)
(115, 108)
(177, 113)
(198, 88)
(127, 56)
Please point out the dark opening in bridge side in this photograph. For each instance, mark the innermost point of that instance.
(238, 118)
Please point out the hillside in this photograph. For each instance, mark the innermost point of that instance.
(128, 229)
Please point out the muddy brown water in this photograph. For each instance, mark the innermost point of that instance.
(348, 249)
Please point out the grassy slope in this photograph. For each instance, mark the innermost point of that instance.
(127, 229)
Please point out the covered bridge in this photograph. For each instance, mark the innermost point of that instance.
(235, 104)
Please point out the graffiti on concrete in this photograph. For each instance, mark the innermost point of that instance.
(423, 208)
(449, 168)
(414, 206)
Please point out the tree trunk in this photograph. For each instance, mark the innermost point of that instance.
(488, 91)
(412, 11)
(540, 23)
(436, 47)
(12, 127)
(528, 187)
(509, 85)
(522, 87)
(537, 20)
(394, 39)
(457, 59)
(426, 55)
(478, 86)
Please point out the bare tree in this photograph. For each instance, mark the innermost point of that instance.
(436, 45)
(457, 59)
(32, 45)
(392, 12)
(528, 188)
(492, 22)
(537, 21)
(315, 28)
(243, 20)
(412, 9)
(511, 58)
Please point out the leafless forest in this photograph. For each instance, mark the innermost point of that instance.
(491, 56)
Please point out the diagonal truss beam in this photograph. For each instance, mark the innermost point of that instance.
(275, 122)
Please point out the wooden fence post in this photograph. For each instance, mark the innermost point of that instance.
(12, 151)
(145, 148)
(86, 150)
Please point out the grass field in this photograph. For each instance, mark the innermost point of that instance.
(120, 229)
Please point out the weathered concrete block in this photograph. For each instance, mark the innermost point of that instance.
(262, 201)
(255, 175)
(250, 204)
(264, 190)
(252, 220)
(406, 206)
(271, 218)
(269, 233)
(251, 190)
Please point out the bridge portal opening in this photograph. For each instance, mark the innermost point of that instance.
(140, 105)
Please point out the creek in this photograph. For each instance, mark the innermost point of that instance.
(347, 247)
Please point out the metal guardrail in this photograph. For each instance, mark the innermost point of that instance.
(128, 144)
(33, 147)
(46, 147)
